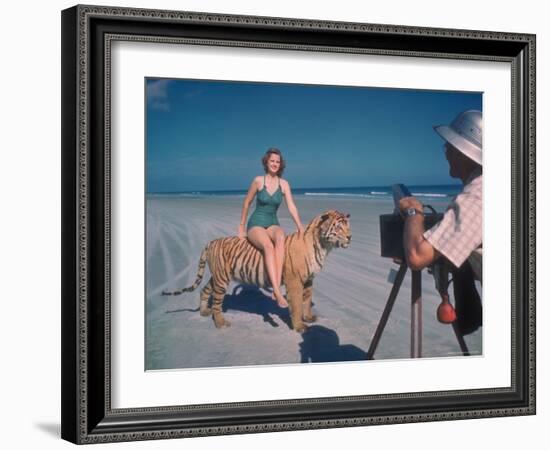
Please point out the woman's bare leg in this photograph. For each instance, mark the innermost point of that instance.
(277, 236)
(259, 237)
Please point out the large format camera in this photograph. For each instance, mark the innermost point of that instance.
(393, 225)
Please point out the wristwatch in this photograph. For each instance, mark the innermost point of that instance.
(412, 212)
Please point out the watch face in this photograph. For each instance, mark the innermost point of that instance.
(411, 212)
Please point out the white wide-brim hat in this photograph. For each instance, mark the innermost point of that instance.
(465, 133)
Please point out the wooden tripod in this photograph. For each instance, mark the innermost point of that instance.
(416, 315)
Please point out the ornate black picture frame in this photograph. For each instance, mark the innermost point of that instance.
(87, 412)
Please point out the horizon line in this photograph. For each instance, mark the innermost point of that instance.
(302, 188)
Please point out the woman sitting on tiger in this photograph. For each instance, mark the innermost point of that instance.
(263, 229)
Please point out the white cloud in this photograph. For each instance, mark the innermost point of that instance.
(157, 94)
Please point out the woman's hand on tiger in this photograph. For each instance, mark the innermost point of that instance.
(241, 233)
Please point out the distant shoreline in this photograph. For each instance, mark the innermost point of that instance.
(428, 191)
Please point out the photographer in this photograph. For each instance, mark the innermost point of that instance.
(458, 236)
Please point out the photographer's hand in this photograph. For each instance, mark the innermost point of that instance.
(410, 202)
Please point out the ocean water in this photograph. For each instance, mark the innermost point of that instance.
(436, 191)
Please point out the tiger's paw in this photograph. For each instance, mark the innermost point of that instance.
(220, 322)
(205, 310)
(310, 319)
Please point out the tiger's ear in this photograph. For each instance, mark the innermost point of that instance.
(348, 216)
(324, 221)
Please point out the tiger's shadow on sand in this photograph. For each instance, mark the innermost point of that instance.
(321, 344)
(252, 300)
(249, 299)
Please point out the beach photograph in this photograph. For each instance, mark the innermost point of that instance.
(340, 150)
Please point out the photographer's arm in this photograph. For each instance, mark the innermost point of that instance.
(418, 251)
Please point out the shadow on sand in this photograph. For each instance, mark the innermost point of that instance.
(321, 344)
(251, 300)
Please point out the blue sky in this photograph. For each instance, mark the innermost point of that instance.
(211, 135)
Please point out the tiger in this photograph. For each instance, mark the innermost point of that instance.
(234, 258)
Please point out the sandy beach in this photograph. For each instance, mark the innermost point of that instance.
(349, 294)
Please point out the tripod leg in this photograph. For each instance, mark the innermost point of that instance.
(416, 319)
(387, 310)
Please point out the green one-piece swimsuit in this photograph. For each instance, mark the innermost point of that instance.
(265, 213)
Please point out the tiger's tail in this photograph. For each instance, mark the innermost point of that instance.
(200, 274)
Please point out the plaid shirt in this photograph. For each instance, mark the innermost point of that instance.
(459, 234)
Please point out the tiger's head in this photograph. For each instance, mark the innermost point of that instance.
(334, 229)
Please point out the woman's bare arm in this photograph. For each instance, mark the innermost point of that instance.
(292, 206)
(246, 204)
